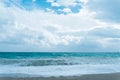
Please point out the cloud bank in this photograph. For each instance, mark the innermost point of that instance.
(93, 28)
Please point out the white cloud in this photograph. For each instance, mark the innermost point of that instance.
(33, 0)
(65, 3)
(50, 31)
(55, 4)
(106, 10)
(66, 10)
(84, 1)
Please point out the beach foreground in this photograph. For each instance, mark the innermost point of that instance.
(113, 76)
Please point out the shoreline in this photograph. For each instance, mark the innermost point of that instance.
(106, 76)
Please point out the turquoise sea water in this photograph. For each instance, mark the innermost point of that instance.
(58, 63)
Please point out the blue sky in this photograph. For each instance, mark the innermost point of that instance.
(60, 25)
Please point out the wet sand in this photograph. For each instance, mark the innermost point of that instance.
(112, 76)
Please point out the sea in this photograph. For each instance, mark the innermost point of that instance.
(50, 64)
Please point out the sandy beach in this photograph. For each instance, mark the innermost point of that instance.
(112, 76)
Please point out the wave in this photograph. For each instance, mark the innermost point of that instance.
(59, 64)
(59, 61)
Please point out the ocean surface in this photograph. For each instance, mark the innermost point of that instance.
(48, 64)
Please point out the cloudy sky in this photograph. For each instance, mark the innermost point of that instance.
(60, 25)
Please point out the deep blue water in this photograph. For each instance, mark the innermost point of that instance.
(22, 55)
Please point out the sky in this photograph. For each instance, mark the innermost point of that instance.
(59, 25)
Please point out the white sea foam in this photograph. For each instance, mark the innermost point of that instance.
(68, 70)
